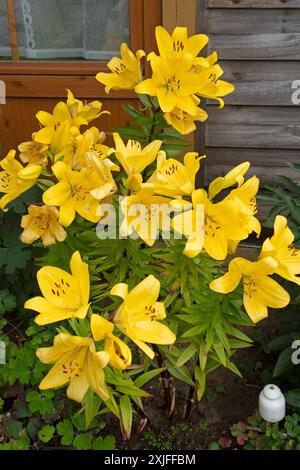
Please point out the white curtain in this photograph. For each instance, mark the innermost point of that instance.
(67, 29)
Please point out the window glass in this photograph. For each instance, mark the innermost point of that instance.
(71, 29)
(5, 49)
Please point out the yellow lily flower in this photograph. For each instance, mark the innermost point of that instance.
(244, 197)
(99, 172)
(72, 194)
(119, 353)
(61, 121)
(184, 122)
(220, 225)
(126, 71)
(260, 291)
(173, 83)
(281, 247)
(139, 314)
(59, 139)
(74, 112)
(42, 222)
(76, 363)
(175, 45)
(33, 152)
(234, 176)
(173, 178)
(132, 157)
(90, 141)
(65, 295)
(144, 213)
(210, 85)
(15, 179)
(189, 222)
(83, 113)
(201, 63)
(134, 182)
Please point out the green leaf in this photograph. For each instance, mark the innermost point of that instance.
(238, 334)
(41, 402)
(21, 408)
(238, 344)
(33, 426)
(202, 357)
(112, 406)
(200, 377)
(13, 428)
(186, 355)
(194, 331)
(14, 254)
(105, 443)
(210, 337)
(132, 110)
(147, 376)
(172, 150)
(181, 373)
(282, 342)
(126, 416)
(284, 362)
(293, 397)
(222, 337)
(46, 433)
(220, 352)
(83, 442)
(295, 166)
(231, 366)
(131, 389)
(8, 301)
(131, 133)
(146, 100)
(143, 121)
(91, 403)
(214, 446)
(78, 421)
(65, 430)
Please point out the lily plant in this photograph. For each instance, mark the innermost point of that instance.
(140, 279)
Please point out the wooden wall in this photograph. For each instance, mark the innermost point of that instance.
(258, 42)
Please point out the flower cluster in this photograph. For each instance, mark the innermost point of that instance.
(278, 256)
(179, 77)
(78, 360)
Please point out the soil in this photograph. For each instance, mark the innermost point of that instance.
(209, 421)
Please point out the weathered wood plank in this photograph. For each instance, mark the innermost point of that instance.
(266, 164)
(254, 115)
(44, 86)
(253, 21)
(252, 71)
(253, 3)
(261, 83)
(256, 46)
(258, 136)
(261, 93)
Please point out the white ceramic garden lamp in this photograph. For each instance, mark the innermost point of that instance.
(271, 404)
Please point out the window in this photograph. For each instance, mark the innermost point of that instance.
(65, 29)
